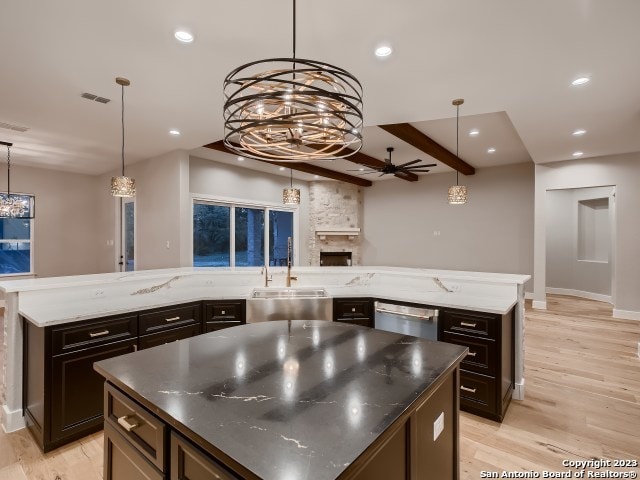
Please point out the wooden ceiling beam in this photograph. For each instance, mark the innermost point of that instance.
(302, 167)
(414, 137)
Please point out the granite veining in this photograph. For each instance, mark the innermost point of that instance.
(286, 399)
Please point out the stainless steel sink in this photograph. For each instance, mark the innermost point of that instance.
(267, 304)
(289, 293)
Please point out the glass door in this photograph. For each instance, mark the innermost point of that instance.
(128, 239)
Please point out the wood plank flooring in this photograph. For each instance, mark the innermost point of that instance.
(582, 402)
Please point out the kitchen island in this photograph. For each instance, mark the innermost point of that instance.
(285, 400)
(61, 302)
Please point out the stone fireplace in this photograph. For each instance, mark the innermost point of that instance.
(335, 212)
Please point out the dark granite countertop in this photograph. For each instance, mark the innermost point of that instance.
(288, 400)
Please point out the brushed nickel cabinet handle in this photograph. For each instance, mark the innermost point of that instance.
(405, 314)
(470, 325)
(99, 334)
(124, 423)
(472, 354)
(467, 389)
(172, 319)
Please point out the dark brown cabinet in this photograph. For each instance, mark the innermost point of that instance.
(165, 325)
(63, 395)
(487, 372)
(355, 311)
(189, 463)
(122, 461)
(219, 314)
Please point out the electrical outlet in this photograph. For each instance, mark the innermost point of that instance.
(168, 244)
(436, 233)
(98, 293)
(438, 426)
(638, 349)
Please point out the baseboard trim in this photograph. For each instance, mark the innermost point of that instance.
(12, 420)
(539, 304)
(518, 391)
(2, 303)
(579, 293)
(626, 314)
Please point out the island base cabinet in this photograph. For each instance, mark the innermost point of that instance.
(188, 463)
(123, 462)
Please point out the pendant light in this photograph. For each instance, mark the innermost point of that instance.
(457, 193)
(123, 186)
(14, 205)
(291, 196)
(292, 109)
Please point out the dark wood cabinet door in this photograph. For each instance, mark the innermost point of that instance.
(169, 318)
(189, 463)
(167, 336)
(123, 462)
(77, 399)
(363, 322)
(345, 308)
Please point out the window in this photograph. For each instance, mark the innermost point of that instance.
(280, 229)
(236, 235)
(128, 234)
(211, 235)
(15, 246)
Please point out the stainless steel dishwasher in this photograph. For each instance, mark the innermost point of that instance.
(418, 322)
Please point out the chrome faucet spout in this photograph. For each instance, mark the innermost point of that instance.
(267, 277)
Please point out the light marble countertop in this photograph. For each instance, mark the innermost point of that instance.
(51, 301)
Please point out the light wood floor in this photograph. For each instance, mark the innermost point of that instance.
(582, 401)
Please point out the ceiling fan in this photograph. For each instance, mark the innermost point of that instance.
(397, 170)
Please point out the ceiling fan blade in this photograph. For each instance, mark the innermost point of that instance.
(409, 163)
(417, 171)
(382, 175)
(420, 166)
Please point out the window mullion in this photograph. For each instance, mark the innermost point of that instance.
(232, 235)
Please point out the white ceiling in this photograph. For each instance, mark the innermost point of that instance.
(512, 62)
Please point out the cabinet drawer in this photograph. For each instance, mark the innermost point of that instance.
(477, 391)
(188, 462)
(169, 318)
(167, 336)
(344, 308)
(122, 461)
(145, 432)
(482, 356)
(224, 311)
(471, 323)
(220, 324)
(88, 334)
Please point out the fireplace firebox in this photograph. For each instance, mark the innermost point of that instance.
(335, 259)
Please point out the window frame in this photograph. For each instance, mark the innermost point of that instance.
(31, 271)
(232, 203)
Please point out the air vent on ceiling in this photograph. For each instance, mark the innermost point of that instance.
(15, 128)
(91, 96)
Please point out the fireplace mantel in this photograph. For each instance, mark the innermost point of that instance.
(324, 232)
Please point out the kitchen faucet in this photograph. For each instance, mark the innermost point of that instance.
(267, 278)
(289, 277)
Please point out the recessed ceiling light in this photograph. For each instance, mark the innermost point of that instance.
(580, 81)
(281, 168)
(361, 169)
(491, 150)
(174, 132)
(474, 132)
(241, 159)
(384, 51)
(577, 154)
(579, 132)
(183, 36)
(316, 176)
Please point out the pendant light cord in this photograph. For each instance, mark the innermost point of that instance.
(8, 171)
(122, 119)
(457, 137)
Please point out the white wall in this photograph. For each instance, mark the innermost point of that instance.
(621, 171)
(208, 177)
(65, 242)
(565, 270)
(493, 232)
